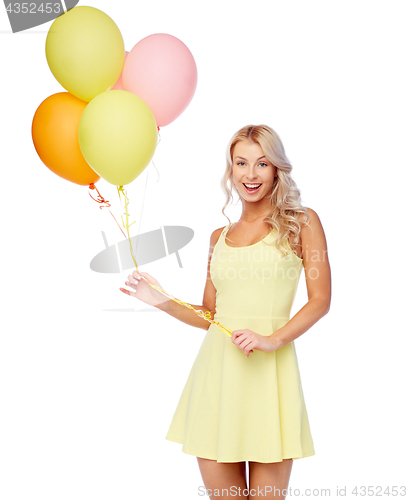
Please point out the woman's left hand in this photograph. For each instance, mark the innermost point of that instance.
(247, 340)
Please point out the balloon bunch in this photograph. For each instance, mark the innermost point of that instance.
(107, 123)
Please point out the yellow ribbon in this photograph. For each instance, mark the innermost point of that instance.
(127, 226)
(205, 315)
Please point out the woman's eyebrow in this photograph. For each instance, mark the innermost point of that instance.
(246, 159)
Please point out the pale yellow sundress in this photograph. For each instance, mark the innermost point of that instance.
(234, 408)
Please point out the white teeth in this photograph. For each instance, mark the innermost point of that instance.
(252, 185)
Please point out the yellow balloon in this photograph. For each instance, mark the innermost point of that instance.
(85, 51)
(117, 136)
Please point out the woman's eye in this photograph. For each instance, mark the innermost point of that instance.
(262, 164)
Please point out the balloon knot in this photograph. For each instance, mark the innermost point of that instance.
(91, 186)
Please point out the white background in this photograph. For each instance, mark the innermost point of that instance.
(89, 377)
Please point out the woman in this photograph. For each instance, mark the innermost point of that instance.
(243, 400)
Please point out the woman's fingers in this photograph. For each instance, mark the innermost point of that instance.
(134, 279)
(141, 292)
(244, 346)
(243, 341)
(128, 292)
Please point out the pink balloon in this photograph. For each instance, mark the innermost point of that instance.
(160, 69)
(119, 85)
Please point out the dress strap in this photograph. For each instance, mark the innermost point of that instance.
(226, 229)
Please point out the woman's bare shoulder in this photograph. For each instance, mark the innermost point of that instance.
(313, 231)
(310, 222)
(215, 235)
(314, 219)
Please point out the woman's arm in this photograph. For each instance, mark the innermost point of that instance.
(318, 282)
(186, 315)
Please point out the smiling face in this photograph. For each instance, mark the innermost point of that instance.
(250, 167)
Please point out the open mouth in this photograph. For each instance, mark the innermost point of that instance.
(252, 188)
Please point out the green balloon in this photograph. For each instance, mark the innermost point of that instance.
(117, 136)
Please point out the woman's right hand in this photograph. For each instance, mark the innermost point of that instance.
(142, 290)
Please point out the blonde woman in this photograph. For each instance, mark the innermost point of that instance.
(243, 400)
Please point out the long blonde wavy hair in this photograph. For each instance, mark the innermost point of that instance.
(285, 199)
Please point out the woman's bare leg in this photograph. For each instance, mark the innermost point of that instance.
(228, 476)
(268, 480)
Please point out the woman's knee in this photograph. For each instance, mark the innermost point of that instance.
(223, 479)
(270, 479)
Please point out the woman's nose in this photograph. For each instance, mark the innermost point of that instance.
(251, 174)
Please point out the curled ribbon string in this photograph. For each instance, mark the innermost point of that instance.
(127, 225)
(143, 202)
(158, 173)
(205, 315)
(101, 199)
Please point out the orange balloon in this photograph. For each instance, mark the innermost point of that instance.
(55, 136)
